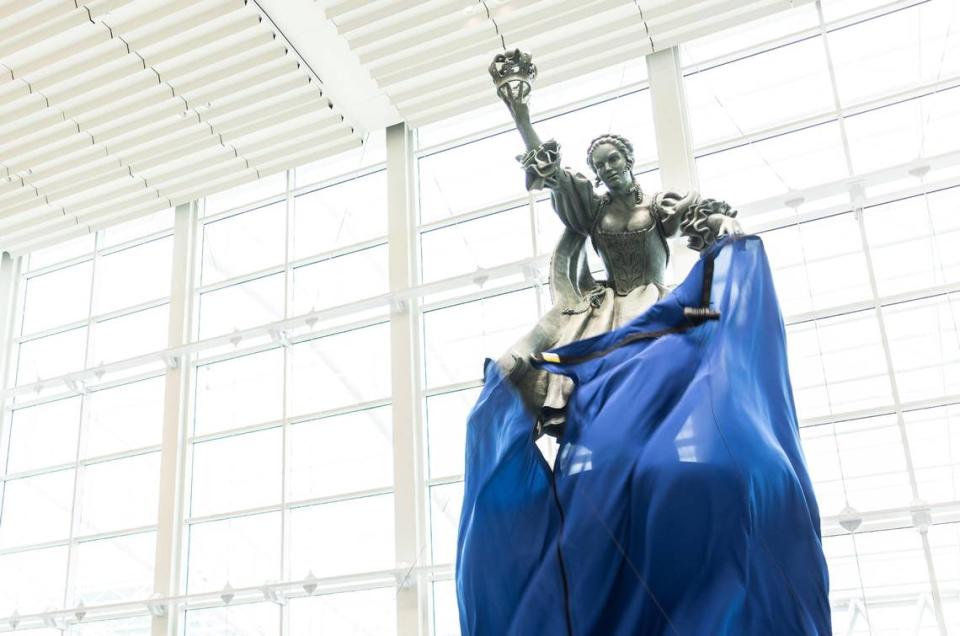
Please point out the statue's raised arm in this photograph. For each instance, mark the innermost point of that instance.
(627, 227)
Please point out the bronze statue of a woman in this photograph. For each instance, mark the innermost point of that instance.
(627, 227)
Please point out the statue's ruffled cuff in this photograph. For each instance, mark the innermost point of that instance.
(694, 224)
(540, 162)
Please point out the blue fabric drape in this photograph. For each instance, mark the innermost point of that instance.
(679, 502)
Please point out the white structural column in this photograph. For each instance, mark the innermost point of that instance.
(176, 397)
(9, 271)
(678, 168)
(405, 377)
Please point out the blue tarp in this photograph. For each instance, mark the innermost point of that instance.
(679, 502)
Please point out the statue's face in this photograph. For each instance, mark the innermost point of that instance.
(612, 168)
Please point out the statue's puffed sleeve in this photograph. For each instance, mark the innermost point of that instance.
(688, 215)
(573, 195)
(694, 224)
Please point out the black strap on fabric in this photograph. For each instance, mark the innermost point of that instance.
(694, 316)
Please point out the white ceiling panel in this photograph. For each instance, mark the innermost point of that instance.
(114, 108)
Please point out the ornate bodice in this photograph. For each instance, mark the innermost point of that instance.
(634, 257)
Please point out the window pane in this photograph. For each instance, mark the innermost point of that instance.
(446, 614)
(890, 53)
(447, 431)
(115, 627)
(134, 275)
(244, 243)
(144, 226)
(44, 435)
(114, 570)
(838, 365)
(57, 298)
(445, 504)
(214, 547)
(120, 494)
(934, 436)
(907, 252)
(36, 509)
(925, 346)
(255, 619)
(52, 356)
(818, 264)
(373, 151)
(240, 391)
(340, 280)
(347, 368)
(759, 91)
(340, 215)
(235, 473)
(124, 417)
(630, 115)
(458, 338)
(61, 252)
(450, 183)
(774, 166)
(241, 306)
(32, 581)
(344, 537)
(130, 336)
(860, 463)
(246, 194)
(485, 242)
(365, 613)
(346, 453)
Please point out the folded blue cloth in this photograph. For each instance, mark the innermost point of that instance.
(679, 502)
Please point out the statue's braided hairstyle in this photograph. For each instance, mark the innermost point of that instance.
(620, 143)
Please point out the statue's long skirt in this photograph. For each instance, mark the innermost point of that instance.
(679, 502)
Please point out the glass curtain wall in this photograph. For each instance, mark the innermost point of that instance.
(832, 129)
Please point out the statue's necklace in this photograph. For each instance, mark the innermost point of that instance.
(637, 195)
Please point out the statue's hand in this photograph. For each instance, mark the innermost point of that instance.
(726, 225)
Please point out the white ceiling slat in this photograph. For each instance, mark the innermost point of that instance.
(199, 58)
(275, 117)
(47, 136)
(174, 27)
(11, 43)
(270, 103)
(160, 134)
(184, 43)
(85, 36)
(535, 17)
(16, 197)
(135, 15)
(12, 7)
(137, 104)
(422, 104)
(58, 227)
(198, 76)
(48, 152)
(235, 65)
(275, 87)
(34, 17)
(310, 135)
(251, 78)
(29, 125)
(443, 12)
